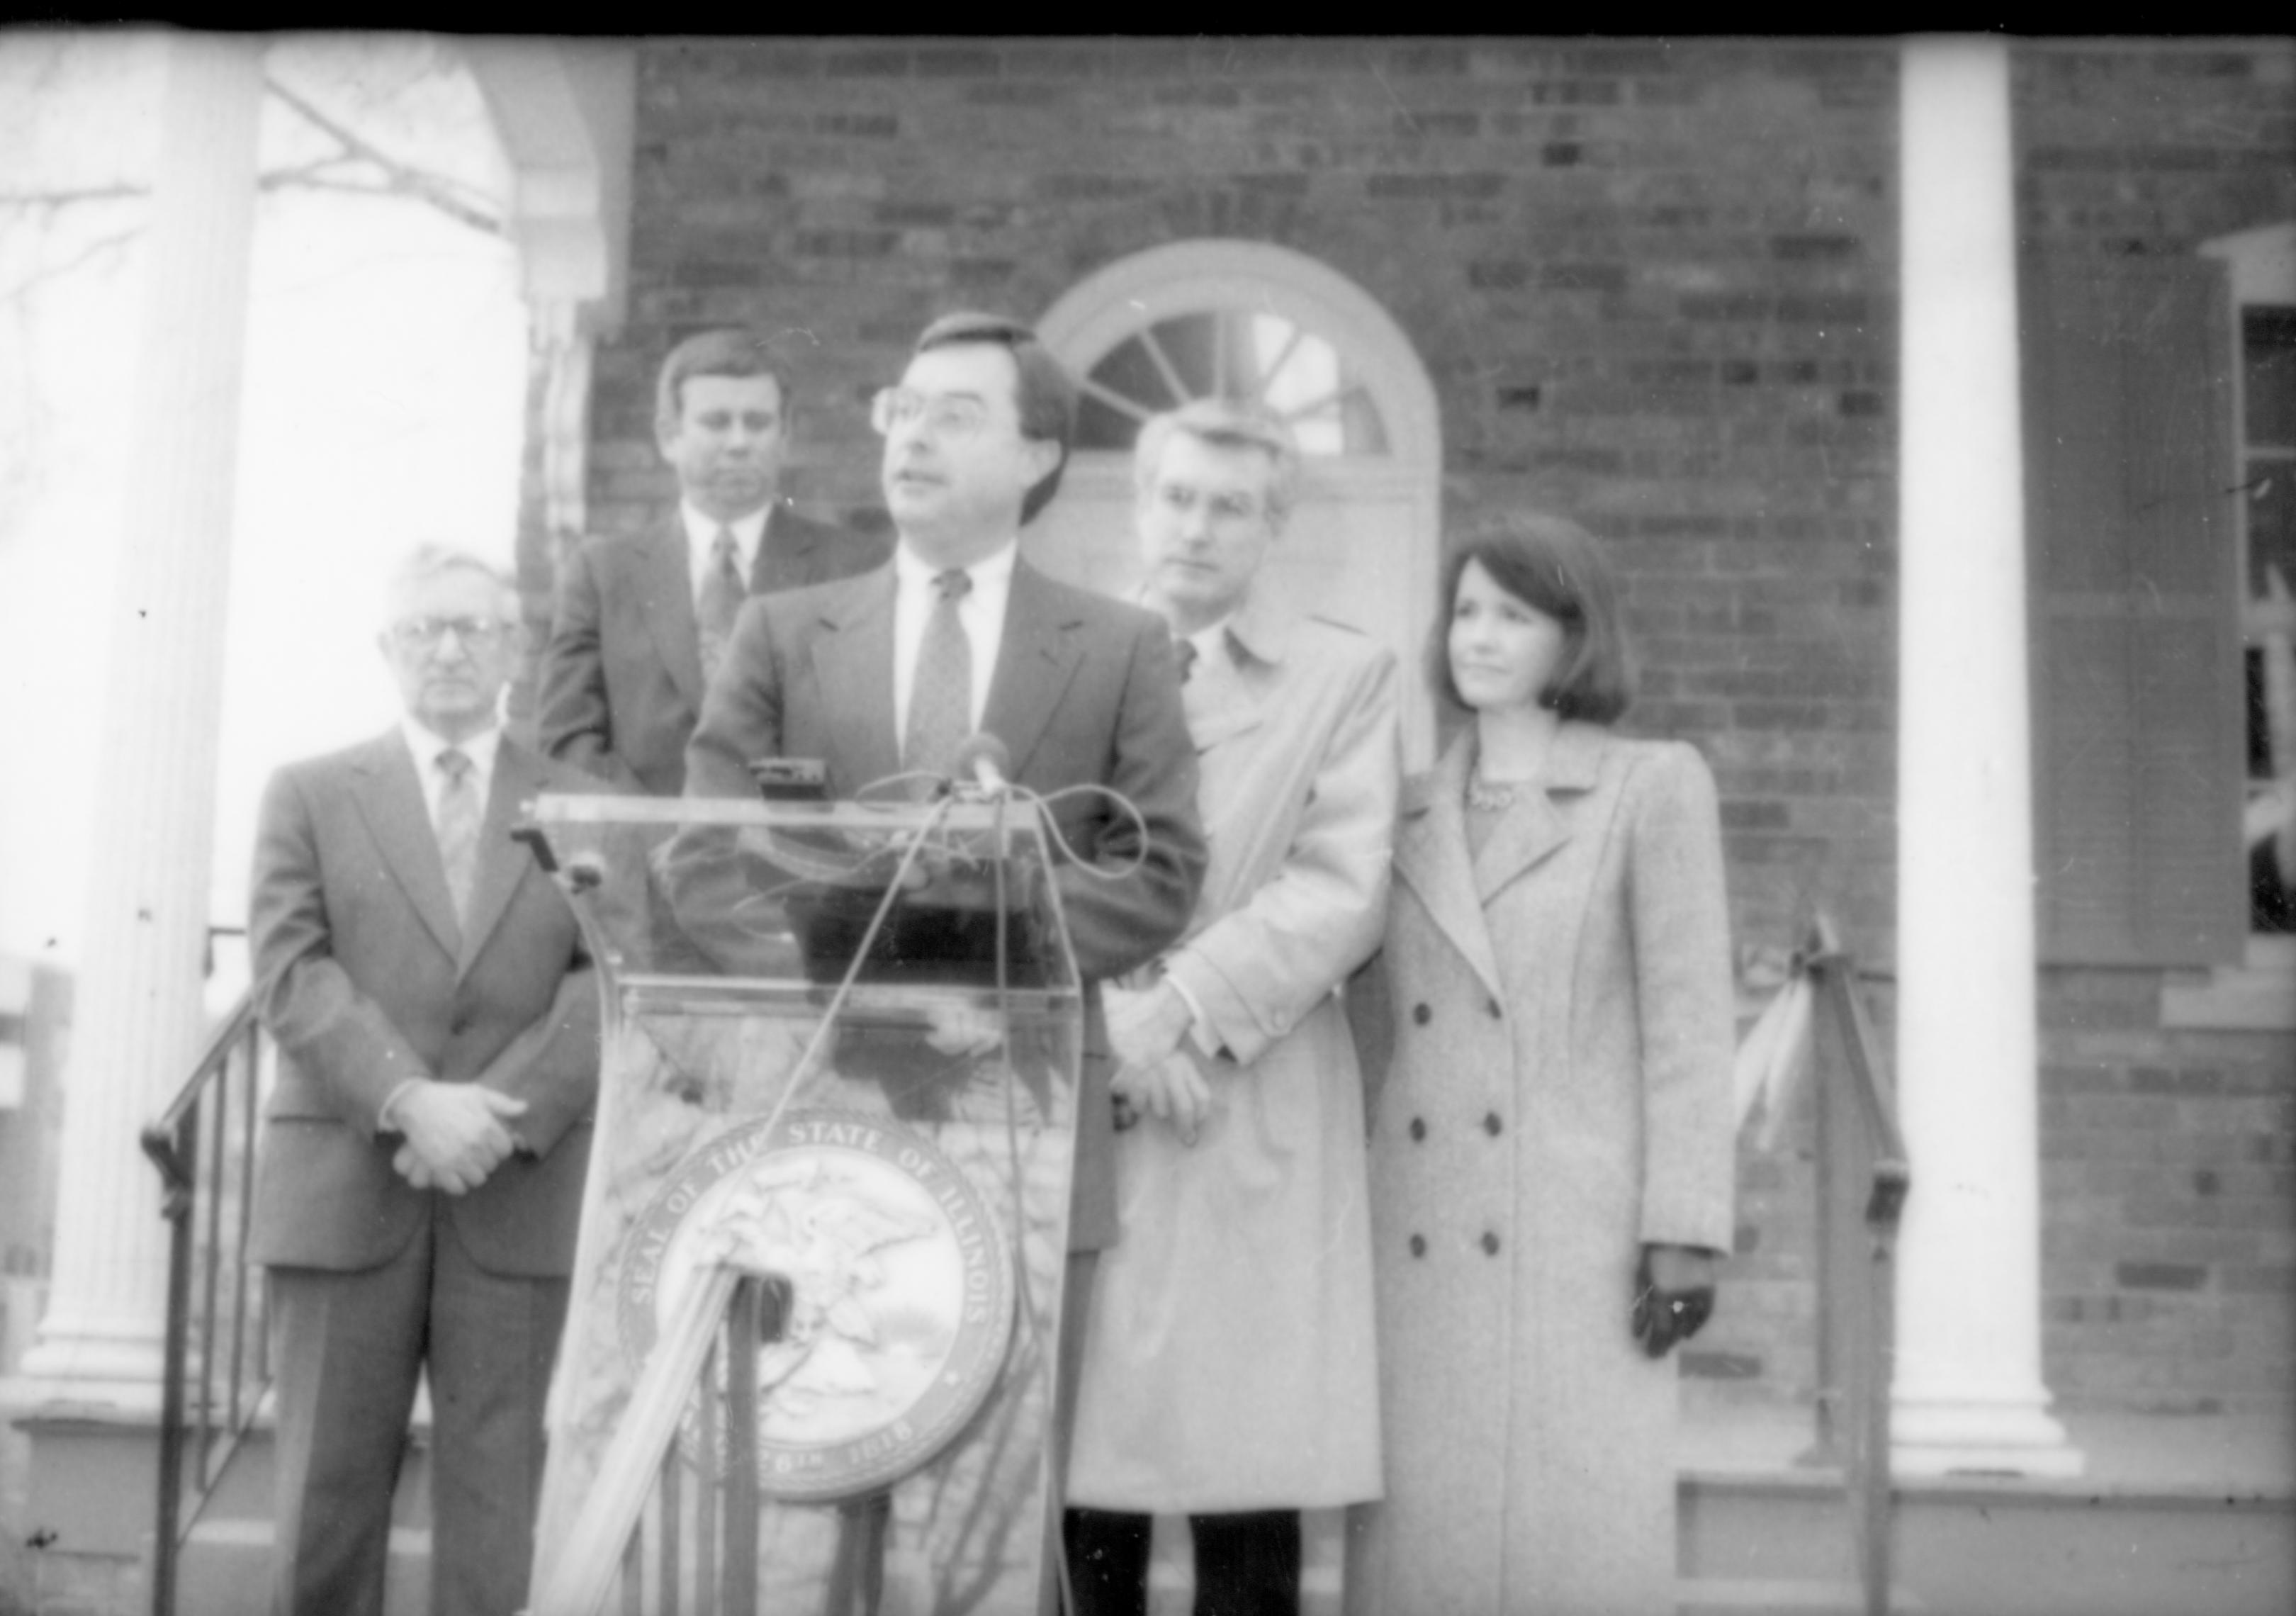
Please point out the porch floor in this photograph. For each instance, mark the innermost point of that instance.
(2245, 1454)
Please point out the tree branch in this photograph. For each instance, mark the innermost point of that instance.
(398, 177)
(119, 190)
(456, 201)
(101, 244)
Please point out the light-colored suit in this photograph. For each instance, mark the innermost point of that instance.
(621, 681)
(1084, 691)
(1229, 1362)
(1559, 1093)
(365, 979)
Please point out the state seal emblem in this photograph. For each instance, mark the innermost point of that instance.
(900, 1293)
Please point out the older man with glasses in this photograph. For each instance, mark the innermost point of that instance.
(419, 1178)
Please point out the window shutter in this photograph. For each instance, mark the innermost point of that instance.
(2130, 464)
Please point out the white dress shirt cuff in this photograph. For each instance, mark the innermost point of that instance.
(384, 1122)
(1199, 1027)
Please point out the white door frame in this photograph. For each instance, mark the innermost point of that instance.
(1186, 278)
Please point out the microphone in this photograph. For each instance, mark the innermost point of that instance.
(989, 761)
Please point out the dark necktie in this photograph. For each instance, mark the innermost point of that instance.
(458, 828)
(1184, 648)
(721, 600)
(940, 699)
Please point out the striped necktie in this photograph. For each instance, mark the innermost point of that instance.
(941, 698)
(721, 601)
(459, 812)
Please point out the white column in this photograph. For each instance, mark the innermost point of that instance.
(137, 1018)
(1968, 1392)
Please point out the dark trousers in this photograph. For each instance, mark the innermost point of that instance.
(350, 1348)
(1246, 1563)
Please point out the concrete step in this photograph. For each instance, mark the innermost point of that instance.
(1758, 1534)
(226, 1570)
(1775, 1596)
(2002, 1546)
(226, 1565)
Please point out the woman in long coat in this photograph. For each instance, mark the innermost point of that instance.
(1551, 1148)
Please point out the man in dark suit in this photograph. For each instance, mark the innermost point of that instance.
(892, 670)
(642, 618)
(419, 1180)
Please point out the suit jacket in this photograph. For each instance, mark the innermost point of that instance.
(1084, 690)
(365, 979)
(621, 676)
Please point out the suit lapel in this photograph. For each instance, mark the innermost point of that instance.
(785, 553)
(1524, 836)
(1431, 856)
(1531, 832)
(665, 585)
(390, 800)
(853, 666)
(502, 862)
(1227, 697)
(1033, 663)
(1222, 715)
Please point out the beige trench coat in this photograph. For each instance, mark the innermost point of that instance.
(1559, 1093)
(1228, 1357)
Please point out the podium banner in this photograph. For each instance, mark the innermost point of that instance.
(810, 1346)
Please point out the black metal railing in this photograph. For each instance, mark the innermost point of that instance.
(694, 1544)
(1862, 1182)
(217, 1354)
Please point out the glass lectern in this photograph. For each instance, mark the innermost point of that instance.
(809, 1351)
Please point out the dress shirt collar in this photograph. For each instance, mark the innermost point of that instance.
(702, 537)
(426, 745)
(1258, 629)
(993, 575)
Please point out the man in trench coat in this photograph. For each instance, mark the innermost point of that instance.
(1228, 1366)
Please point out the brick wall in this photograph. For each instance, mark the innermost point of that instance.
(2167, 1180)
(1653, 285)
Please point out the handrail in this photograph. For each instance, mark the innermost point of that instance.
(1862, 1179)
(203, 1147)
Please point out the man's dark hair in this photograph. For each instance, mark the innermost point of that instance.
(728, 351)
(1044, 395)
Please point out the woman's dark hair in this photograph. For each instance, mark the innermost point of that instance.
(1554, 564)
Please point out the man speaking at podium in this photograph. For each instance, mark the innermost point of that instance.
(895, 669)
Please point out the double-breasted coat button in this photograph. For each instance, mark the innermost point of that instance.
(1491, 1243)
(1418, 1128)
(1493, 1007)
(1419, 1245)
(1491, 1123)
(1421, 1014)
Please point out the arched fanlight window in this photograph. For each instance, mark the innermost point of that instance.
(1230, 353)
(1189, 320)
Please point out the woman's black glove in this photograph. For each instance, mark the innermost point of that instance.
(1673, 1295)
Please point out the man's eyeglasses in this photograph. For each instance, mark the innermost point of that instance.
(948, 418)
(425, 633)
